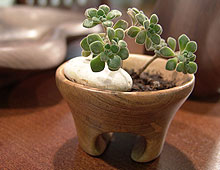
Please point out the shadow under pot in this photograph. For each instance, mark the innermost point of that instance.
(148, 114)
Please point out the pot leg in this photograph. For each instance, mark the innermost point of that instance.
(91, 140)
(146, 149)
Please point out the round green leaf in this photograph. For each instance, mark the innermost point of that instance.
(86, 53)
(96, 64)
(91, 12)
(94, 37)
(121, 24)
(100, 12)
(133, 31)
(119, 33)
(105, 8)
(146, 24)
(141, 37)
(180, 67)
(113, 14)
(193, 57)
(131, 14)
(171, 64)
(96, 20)
(88, 23)
(148, 43)
(114, 48)
(123, 53)
(183, 40)
(114, 63)
(191, 46)
(172, 43)
(122, 43)
(110, 33)
(154, 19)
(84, 44)
(166, 52)
(158, 29)
(104, 56)
(107, 46)
(181, 58)
(96, 47)
(107, 23)
(191, 67)
(140, 18)
(155, 38)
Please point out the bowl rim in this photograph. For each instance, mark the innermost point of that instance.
(60, 75)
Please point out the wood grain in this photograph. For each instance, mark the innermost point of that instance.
(146, 114)
(37, 132)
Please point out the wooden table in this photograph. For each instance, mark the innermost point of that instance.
(37, 132)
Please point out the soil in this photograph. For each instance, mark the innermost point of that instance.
(149, 82)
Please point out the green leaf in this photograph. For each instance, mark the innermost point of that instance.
(107, 46)
(133, 31)
(88, 23)
(122, 43)
(114, 63)
(171, 64)
(96, 47)
(140, 18)
(148, 44)
(85, 53)
(180, 67)
(105, 8)
(146, 24)
(96, 20)
(96, 64)
(119, 33)
(141, 37)
(191, 67)
(123, 53)
(110, 33)
(183, 40)
(191, 46)
(114, 48)
(113, 14)
(135, 10)
(91, 12)
(192, 58)
(154, 19)
(94, 37)
(121, 24)
(84, 44)
(158, 29)
(155, 38)
(100, 12)
(172, 43)
(181, 58)
(166, 52)
(104, 57)
(108, 23)
(132, 14)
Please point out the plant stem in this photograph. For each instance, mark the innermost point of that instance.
(148, 63)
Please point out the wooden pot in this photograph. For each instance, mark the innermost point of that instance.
(97, 112)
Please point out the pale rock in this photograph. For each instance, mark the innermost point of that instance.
(78, 69)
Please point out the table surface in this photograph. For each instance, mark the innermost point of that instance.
(37, 132)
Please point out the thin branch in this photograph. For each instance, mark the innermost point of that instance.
(148, 63)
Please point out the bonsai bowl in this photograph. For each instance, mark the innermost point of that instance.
(99, 113)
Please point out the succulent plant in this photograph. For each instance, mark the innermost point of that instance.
(109, 47)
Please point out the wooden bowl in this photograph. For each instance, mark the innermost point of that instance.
(97, 112)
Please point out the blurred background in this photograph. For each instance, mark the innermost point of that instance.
(43, 25)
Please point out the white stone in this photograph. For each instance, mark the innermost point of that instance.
(78, 69)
